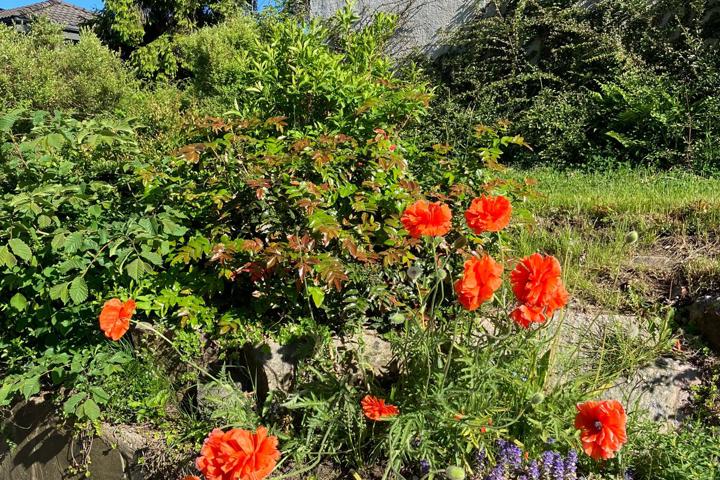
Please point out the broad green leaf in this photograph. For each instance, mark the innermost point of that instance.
(71, 264)
(30, 386)
(58, 241)
(8, 120)
(70, 405)
(73, 242)
(7, 258)
(44, 221)
(78, 290)
(317, 295)
(60, 292)
(18, 302)
(55, 140)
(5, 390)
(91, 409)
(136, 268)
(152, 257)
(99, 395)
(20, 249)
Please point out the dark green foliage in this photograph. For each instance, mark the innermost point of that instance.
(622, 82)
(126, 25)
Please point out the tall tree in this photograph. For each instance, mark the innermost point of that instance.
(126, 25)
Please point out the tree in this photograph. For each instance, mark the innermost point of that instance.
(127, 25)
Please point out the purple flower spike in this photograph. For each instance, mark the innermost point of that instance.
(571, 465)
(558, 468)
(497, 473)
(533, 470)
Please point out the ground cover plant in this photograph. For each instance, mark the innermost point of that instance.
(272, 185)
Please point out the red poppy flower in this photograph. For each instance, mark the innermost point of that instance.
(425, 218)
(238, 455)
(115, 317)
(524, 315)
(536, 282)
(376, 409)
(488, 214)
(602, 427)
(481, 278)
(191, 477)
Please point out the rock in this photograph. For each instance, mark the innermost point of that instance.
(368, 350)
(658, 392)
(704, 314)
(270, 366)
(45, 450)
(131, 442)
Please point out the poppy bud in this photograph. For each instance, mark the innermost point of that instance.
(537, 399)
(460, 242)
(414, 272)
(397, 318)
(442, 274)
(631, 238)
(454, 473)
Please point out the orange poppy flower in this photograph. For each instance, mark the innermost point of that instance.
(481, 278)
(423, 218)
(602, 427)
(191, 477)
(115, 317)
(238, 455)
(376, 409)
(524, 315)
(488, 214)
(536, 282)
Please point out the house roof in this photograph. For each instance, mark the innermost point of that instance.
(62, 13)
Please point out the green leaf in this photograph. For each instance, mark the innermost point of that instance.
(5, 390)
(30, 386)
(7, 258)
(152, 257)
(136, 268)
(70, 405)
(59, 292)
(91, 409)
(317, 295)
(78, 290)
(44, 221)
(71, 264)
(99, 395)
(20, 249)
(18, 302)
(58, 241)
(74, 242)
(8, 120)
(55, 140)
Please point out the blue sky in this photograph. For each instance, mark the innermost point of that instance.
(89, 4)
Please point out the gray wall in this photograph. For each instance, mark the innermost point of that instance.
(422, 22)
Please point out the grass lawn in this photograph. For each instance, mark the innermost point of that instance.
(586, 219)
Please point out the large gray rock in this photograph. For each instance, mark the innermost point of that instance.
(45, 450)
(659, 392)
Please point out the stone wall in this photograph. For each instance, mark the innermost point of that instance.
(422, 22)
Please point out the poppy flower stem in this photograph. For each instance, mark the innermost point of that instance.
(150, 328)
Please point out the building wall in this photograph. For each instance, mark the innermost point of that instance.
(422, 22)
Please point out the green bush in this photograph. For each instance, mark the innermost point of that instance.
(626, 82)
(40, 71)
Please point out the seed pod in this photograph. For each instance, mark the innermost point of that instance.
(631, 238)
(455, 473)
